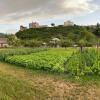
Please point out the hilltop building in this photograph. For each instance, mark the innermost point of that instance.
(68, 23)
(34, 25)
(22, 28)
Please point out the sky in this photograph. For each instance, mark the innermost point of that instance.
(14, 13)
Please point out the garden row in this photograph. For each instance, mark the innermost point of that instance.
(51, 60)
(4, 53)
(84, 63)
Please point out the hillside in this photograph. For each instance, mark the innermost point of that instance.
(68, 36)
(50, 32)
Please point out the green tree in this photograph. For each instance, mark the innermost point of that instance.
(13, 41)
(97, 30)
(98, 25)
(66, 43)
(82, 43)
(53, 24)
(32, 43)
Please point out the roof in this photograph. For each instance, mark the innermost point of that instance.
(56, 39)
(3, 40)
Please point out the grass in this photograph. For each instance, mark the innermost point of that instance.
(12, 88)
(22, 84)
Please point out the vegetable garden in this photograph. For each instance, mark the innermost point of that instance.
(51, 60)
(68, 61)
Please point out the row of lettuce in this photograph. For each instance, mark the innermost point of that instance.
(4, 53)
(51, 60)
(70, 61)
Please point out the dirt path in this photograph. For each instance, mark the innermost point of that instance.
(50, 88)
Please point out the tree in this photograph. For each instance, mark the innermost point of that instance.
(32, 43)
(97, 30)
(53, 24)
(13, 41)
(98, 25)
(66, 43)
(82, 43)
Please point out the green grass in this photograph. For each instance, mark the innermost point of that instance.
(17, 83)
(14, 88)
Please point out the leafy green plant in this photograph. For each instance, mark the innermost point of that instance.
(84, 63)
(51, 60)
(4, 53)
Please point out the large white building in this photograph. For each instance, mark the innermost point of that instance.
(34, 25)
(68, 23)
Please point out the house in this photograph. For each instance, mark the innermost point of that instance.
(68, 23)
(22, 28)
(3, 42)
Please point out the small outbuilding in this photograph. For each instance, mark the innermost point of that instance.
(3, 42)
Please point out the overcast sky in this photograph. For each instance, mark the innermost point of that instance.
(14, 13)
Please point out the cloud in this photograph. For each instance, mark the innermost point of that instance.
(21, 10)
